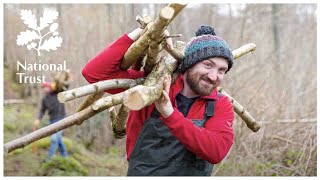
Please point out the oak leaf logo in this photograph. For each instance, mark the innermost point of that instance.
(33, 37)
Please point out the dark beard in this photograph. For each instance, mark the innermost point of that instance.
(194, 85)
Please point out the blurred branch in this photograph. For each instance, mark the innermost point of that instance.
(286, 140)
(242, 112)
(13, 101)
(305, 120)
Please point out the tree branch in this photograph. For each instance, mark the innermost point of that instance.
(242, 112)
(94, 88)
(139, 46)
(118, 121)
(243, 50)
(156, 37)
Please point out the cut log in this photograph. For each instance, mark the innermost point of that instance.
(141, 96)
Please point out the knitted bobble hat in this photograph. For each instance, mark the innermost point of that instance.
(205, 45)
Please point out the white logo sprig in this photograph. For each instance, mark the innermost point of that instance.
(28, 37)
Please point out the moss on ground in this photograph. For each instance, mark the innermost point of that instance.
(60, 166)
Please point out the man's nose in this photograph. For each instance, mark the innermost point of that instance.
(213, 75)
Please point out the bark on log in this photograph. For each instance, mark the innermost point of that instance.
(141, 96)
(156, 37)
(242, 112)
(143, 21)
(118, 121)
(94, 88)
(89, 100)
(243, 50)
(174, 53)
(178, 51)
(140, 61)
(113, 100)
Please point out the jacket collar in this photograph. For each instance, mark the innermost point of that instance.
(178, 86)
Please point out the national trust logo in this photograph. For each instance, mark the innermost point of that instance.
(35, 37)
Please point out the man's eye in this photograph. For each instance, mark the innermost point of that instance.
(207, 65)
(222, 71)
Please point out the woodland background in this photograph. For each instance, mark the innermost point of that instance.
(277, 84)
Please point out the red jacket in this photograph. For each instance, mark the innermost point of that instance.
(210, 143)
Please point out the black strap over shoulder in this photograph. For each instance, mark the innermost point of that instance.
(210, 108)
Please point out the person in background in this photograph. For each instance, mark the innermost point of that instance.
(56, 111)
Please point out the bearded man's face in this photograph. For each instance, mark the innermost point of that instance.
(206, 75)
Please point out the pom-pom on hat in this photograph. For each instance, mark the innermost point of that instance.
(205, 45)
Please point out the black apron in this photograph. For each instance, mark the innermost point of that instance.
(158, 153)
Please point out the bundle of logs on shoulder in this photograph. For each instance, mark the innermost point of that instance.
(143, 54)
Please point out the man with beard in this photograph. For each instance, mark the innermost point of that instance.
(189, 128)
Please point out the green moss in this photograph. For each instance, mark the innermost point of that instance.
(59, 166)
(113, 151)
(17, 151)
(290, 156)
(9, 126)
(45, 142)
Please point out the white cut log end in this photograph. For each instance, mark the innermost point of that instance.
(167, 13)
(134, 99)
